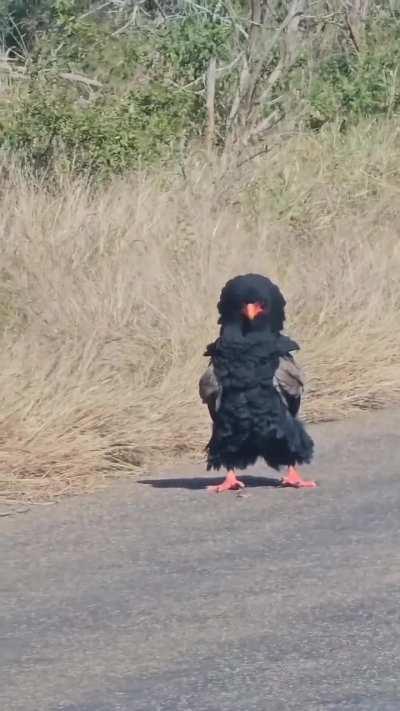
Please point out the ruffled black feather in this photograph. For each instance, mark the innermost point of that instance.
(252, 419)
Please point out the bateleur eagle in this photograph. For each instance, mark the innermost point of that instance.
(253, 386)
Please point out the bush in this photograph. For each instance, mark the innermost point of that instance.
(354, 86)
(22, 20)
(147, 99)
(110, 135)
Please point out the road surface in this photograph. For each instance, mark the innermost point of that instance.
(158, 596)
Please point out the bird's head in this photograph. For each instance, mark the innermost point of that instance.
(253, 301)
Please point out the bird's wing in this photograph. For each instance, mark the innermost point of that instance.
(289, 382)
(210, 390)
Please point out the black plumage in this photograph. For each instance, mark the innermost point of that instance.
(253, 386)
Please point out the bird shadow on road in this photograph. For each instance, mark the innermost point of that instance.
(197, 483)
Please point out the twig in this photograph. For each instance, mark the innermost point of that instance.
(238, 27)
(252, 69)
(272, 80)
(160, 9)
(293, 32)
(19, 36)
(351, 32)
(258, 65)
(124, 27)
(263, 151)
(266, 123)
(71, 76)
(243, 82)
(227, 67)
(220, 72)
(130, 22)
(93, 10)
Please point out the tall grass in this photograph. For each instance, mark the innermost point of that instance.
(108, 297)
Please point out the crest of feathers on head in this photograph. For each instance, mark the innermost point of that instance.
(251, 288)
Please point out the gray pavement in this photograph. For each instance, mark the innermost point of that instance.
(158, 596)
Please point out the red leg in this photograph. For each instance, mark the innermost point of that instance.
(231, 483)
(294, 480)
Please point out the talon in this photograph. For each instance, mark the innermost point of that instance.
(231, 483)
(294, 480)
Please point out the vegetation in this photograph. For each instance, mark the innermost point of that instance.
(106, 87)
(109, 297)
(150, 151)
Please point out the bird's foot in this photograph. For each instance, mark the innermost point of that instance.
(231, 483)
(294, 480)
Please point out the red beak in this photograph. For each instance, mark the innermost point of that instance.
(252, 310)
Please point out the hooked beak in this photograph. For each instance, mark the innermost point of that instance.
(251, 311)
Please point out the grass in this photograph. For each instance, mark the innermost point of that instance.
(108, 297)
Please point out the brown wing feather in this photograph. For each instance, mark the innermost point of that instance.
(210, 390)
(289, 381)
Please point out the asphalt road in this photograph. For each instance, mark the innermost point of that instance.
(162, 597)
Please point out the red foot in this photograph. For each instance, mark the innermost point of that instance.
(231, 483)
(294, 480)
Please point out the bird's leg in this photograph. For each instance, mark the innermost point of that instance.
(231, 483)
(294, 480)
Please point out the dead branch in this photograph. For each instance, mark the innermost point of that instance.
(71, 76)
(260, 61)
(265, 125)
(245, 106)
(265, 149)
(243, 83)
(296, 14)
(355, 13)
(352, 34)
(95, 9)
(237, 26)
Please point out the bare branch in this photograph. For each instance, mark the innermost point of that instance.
(71, 76)
(356, 12)
(271, 81)
(95, 9)
(238, 27)
(245, 106)
(130, 23)
(265, 125)
(265, 149)
(352, 34)
(243, 83)
(296, 13)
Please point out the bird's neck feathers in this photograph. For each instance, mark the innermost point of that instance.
(244, 332)
(234, 339)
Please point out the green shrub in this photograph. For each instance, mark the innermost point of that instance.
(149, 93)
(366, 84)
(186, 46)
(110, 135)
(150, 99)
(22, 20)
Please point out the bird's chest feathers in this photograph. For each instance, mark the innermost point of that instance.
(243, 369)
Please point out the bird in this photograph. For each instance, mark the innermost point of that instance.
(253, 386)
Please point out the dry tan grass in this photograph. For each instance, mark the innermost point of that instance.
(107, 300)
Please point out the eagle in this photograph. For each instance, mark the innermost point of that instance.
(253, 386)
